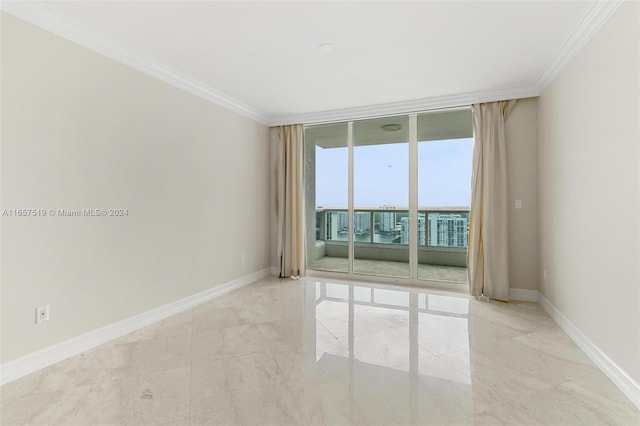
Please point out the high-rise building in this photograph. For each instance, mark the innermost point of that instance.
(336, 221)
(361, 223)
(404, 232)
(319, 217)
(387, 221)
(448, 229)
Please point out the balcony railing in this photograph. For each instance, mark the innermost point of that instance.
(383, 234)
(436, 227)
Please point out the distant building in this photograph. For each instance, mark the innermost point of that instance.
(336, 222)
(448, 229)
(443, 230)
(361, 223)
(404, 232)
(387, 221)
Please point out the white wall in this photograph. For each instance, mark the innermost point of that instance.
(522, 149)
(82, 131)
(273, 143)
(589, 190)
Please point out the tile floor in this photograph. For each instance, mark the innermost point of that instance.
(311, 352)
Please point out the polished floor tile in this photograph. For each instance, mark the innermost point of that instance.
(324, 352)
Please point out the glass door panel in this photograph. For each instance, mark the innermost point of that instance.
(326, 198)
(445, 140)
(381, 197)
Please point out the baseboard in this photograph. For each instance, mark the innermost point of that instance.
(622, 380)
(275, 271)
(35, 361)
(523, 294)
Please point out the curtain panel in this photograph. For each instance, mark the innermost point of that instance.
(290, 201)
(488, 254)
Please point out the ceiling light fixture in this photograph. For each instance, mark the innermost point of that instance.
(327, 47)
(391, 127)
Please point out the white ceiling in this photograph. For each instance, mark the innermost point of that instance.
(262, 59)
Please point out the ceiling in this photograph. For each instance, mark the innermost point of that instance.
(262, 59)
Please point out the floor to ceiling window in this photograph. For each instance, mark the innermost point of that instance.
(381, 196)
(326, 196)
(444, 192)
(390, 196)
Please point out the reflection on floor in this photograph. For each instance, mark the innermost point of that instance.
(309, 352)
(389, 268)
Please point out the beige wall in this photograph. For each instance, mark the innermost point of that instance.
(82, 131)
(522, 141)
(273, 143)
(589, 190)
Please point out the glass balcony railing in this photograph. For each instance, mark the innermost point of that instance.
(436, 227)
(382, 238)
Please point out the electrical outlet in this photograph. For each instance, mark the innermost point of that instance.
(42, 313)
(242, 258)
(518, 204)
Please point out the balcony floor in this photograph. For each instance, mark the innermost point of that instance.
(389, 268)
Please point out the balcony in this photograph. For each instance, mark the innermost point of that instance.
(381, 242)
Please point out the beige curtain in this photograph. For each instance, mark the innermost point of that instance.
(290, 201)
(488, 256)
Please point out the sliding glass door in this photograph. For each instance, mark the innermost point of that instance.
(390, 196)
(326, 197)
(381, 197)
(444, 191)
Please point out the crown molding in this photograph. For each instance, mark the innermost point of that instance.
(404, 107)
(41, 16)
(588, 24)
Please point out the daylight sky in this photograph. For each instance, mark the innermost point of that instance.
(381, 175)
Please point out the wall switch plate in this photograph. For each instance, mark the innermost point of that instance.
(42, 313)
(518, 204)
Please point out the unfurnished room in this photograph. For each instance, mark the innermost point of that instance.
(320, 212)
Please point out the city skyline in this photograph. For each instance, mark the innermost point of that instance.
(446, 229)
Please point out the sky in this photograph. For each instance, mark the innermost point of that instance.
(381, 174)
